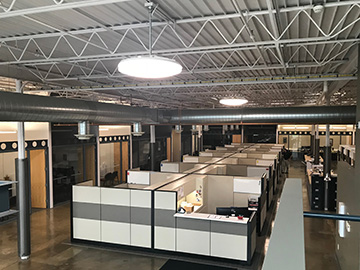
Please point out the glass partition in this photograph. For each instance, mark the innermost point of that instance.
(72, 164)
(7, 166)
(7, 169)
(110, 170)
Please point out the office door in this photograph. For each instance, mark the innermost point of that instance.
(124, 160)
(168, 149)
(236, 138)
(38, 178)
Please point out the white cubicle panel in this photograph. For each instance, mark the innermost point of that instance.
(86, 213)
(229, 240)
(140, 218)
(205, 154)
(193, 236)
(115, 216)
(170, 167)
(191, 159)
(264, 162)
(138, 177)
(250, 185)
(257, 171)
(240, 155)
(270, 156)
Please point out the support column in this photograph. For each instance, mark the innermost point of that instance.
(152, 148)
(312, 140)
(23, 191)
(277, 135)
(201, 139)
(357, 134)
(242, 134)
(194, 140)
(327, 155)
(317, 146)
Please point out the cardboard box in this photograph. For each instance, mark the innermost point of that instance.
(189, 209)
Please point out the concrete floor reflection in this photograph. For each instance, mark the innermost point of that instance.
(50, 232)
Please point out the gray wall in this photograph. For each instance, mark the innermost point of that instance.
(348, 185)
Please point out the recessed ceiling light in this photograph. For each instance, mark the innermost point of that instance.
(233, 101)
(149, 67)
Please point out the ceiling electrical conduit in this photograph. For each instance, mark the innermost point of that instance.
(33, 108)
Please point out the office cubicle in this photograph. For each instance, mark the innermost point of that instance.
(144, 211)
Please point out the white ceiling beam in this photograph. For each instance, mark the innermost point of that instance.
(220, 82)
(182, 51)
(58, 7)
(119, 76)
(164, 23)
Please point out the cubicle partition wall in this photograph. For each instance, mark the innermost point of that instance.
(146, 218)
(347, 153)
(225, 238)
(143, 213)
(164, 220)
(112, 215)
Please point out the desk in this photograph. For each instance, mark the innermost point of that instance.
(216, 235)
(4, 195)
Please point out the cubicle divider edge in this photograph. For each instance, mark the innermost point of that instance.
(251, 237)
(94, 235)
(120, 216)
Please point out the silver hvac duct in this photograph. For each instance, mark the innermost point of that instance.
(30, 108)
(276, 115)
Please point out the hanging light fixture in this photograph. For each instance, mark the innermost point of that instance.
(233, 101)
(150, 66)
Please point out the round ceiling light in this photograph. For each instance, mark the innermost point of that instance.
(149, 67)
(233, 101)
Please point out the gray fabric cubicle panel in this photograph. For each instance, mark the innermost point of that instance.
(115, 216)
(86, 213)
(165, 229)
(140, 218)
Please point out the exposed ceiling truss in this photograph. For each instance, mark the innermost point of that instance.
(225, 52)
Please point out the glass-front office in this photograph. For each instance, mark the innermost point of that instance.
(73, 161)
(114, 159)
(298, 138)
(72, 164)
(37, 156)
(141, 153)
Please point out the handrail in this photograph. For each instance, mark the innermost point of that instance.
(332, 216)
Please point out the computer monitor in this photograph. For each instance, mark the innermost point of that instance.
(237, 211)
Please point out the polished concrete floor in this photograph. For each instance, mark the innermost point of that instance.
(51, 249)
(319, 233)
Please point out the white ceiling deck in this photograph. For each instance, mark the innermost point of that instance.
(272, 52)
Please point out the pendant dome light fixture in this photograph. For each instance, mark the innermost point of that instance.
(149, 66)
(233, 101)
